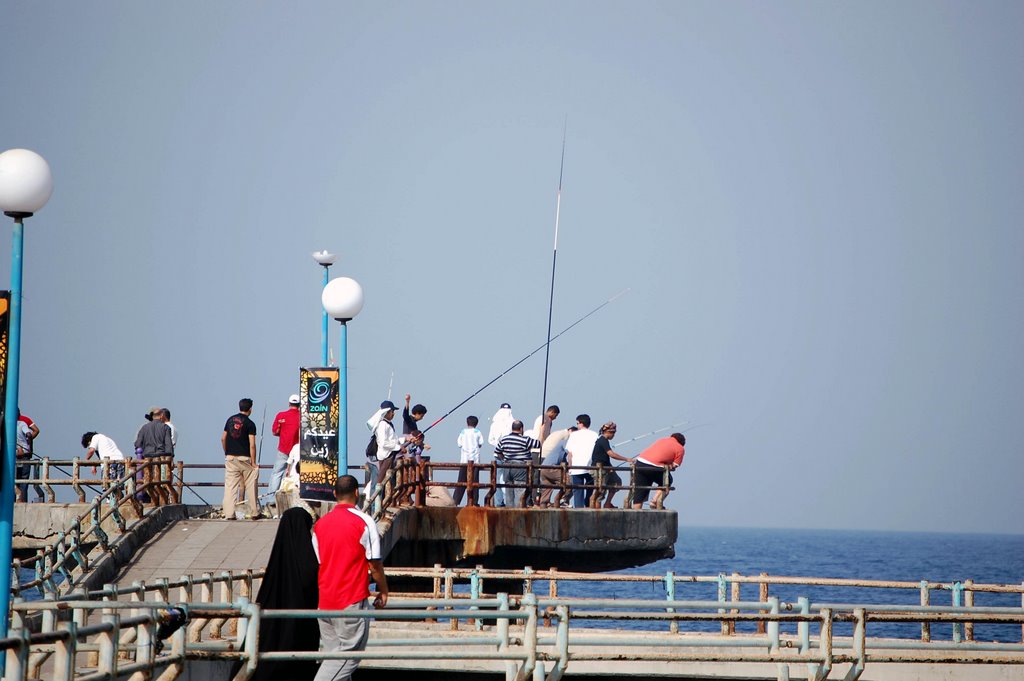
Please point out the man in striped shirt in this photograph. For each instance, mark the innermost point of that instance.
(515, 448)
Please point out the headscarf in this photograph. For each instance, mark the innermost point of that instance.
(501, 425)
(290, 582)
(372, 422)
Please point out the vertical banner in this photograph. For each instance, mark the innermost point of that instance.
(5, 323)
(318, 443)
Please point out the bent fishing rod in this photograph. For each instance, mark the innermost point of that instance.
(653, 432)
(542, 346)
(625, 465)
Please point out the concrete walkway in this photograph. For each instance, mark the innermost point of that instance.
(198, 546)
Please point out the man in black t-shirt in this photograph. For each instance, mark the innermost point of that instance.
(240, 472)
(603, 454)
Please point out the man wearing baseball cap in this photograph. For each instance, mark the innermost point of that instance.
(286, 427)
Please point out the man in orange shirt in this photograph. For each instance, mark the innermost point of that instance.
(650, 467)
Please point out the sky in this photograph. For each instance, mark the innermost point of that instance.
(816, 208)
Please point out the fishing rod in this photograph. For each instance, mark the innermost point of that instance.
(553, 338)
(551, 297)
(653, 432)
(391, 383)
(625, 465)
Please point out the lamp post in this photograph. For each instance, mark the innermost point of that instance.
(25, 187)
(325, 260)
(342, 298)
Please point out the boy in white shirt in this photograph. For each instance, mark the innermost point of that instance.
(470, 441)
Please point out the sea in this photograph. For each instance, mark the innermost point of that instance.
(850, 554)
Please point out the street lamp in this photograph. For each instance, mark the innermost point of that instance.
(343, 299)
(325, 260)
(25, 187)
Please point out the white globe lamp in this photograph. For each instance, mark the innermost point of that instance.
(25, 182)
(342, 298)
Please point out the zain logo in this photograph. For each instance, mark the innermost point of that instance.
(318, 394)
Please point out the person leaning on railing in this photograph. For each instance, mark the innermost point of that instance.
(650, 468)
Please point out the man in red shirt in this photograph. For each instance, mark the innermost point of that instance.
(348, 547)
(650, 467)
(286, 427)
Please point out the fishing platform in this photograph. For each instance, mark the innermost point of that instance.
(163, 591)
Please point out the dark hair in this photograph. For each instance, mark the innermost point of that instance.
(584, 419)
(346, 486)
(415, 433)
(419, 409)
(167, 413)
(244, 404)
(472, 421)
(554, 408)
(680, 438)
(87, 438)
(517, 425)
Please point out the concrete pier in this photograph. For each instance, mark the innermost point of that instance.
(582, 540)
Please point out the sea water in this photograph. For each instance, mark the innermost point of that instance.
(867, 555)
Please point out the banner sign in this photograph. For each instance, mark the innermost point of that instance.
(318, 442)
(5, 323)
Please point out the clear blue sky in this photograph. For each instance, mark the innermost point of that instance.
(817, 208)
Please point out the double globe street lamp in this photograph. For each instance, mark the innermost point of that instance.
(342, 299)
(25, 187)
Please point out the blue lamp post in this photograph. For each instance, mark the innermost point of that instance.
(343, 299)
(25, 187)
(325, 260)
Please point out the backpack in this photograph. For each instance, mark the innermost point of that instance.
(371, 447)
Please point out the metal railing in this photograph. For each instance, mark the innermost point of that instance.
(407, 482)
(86, 638)
(68, 555)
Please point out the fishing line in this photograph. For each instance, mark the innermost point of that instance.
(553, 338)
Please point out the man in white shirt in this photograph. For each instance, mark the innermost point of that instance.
(105, 448)
(580, 447)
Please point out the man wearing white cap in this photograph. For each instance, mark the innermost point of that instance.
(286, 427)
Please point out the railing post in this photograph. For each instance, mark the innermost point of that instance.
(721, 599)
(17, 658)
(926, 595)
(762, 595)
(735, 596)
(471, 474)
(474, 593)
(824, 646)
(670, 596)
(64, 653)
(51, 496)
(181, 480)
(773, 625)
(859, 640)
(76, 479)
(529, 603)
(958, 591)
(503, 642)
(969, 603)
(108, 643)
(449, 595)
(803, 629)
(561, 644)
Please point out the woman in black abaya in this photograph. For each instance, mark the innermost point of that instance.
(289, 583)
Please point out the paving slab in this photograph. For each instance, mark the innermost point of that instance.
(198, 545)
